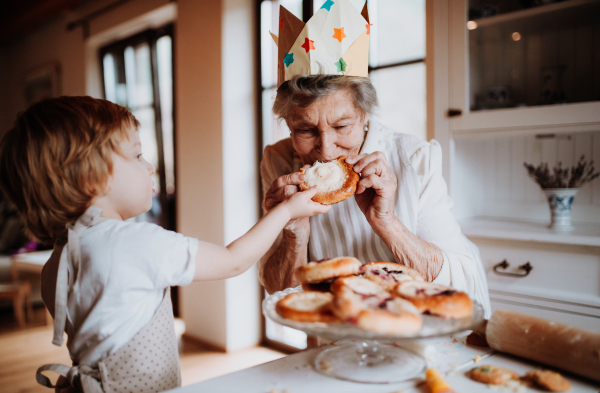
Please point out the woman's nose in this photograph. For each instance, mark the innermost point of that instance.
(327, 145)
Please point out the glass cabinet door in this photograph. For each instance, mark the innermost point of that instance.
(524, 53)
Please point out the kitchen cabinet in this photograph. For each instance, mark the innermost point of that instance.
(510, 82)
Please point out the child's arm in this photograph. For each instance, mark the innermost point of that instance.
(216, 262)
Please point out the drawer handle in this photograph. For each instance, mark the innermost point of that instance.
(504, 265)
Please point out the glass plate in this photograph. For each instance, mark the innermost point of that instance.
(432, 326)
(361, 356)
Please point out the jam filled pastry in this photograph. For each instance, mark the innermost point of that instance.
(370, 307)
(435, 299)
(389, 274)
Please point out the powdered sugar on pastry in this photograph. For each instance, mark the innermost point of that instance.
(328, 176)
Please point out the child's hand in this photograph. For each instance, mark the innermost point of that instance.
(300, 204)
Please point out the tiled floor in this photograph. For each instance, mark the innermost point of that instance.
(22, 351)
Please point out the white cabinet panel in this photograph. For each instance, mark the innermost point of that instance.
(553, 271)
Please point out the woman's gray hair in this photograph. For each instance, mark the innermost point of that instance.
(303, 90)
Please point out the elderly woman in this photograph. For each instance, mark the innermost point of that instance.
(401, 209)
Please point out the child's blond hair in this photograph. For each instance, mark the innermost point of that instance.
(58, 157)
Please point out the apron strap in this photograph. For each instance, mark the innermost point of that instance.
(68, 266)
(77, 376)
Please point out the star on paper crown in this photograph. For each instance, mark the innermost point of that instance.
(335, 41)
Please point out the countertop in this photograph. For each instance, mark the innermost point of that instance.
(450, 355)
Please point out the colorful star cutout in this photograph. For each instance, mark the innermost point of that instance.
(339, 34)
(308, 44)
(341, 65)
(368, 25)
(288, 59)
(328, 5)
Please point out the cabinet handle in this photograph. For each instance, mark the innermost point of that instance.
(504, 265)
(453, 112)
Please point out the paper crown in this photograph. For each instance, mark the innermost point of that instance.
(335, 41)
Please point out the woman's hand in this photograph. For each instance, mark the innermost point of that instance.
(376, 189)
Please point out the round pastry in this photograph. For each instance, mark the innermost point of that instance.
(389, 274)
(493, 375)
(307, 307)
(435, 299)
(326, 269)
(336, 179)
(353, 294)
(394, 316)
(549, 380)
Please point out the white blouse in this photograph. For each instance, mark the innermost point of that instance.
(422, 204)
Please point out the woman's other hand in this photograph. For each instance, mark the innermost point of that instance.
(376, 189)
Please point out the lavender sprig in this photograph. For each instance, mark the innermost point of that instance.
(559, 177)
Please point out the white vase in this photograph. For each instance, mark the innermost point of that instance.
(560, 201)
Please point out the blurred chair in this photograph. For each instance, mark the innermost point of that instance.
(20, 294)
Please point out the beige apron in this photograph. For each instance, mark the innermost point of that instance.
(149, 362)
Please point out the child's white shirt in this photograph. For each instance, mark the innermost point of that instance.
(124, 270)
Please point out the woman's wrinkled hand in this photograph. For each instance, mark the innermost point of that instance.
(376, 189)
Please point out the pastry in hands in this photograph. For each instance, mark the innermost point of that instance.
(549, 380)
(326, 269)
(389, 274)
(435, 299)
(493, 375)
(307, 307)
(336, 179)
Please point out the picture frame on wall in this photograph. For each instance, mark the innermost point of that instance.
(42, 83)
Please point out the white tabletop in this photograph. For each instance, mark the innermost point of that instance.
(296, 373)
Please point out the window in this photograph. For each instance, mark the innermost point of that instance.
(396, 67)
(138, 74)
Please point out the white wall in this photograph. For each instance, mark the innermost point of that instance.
(215, 130)
(239, 152)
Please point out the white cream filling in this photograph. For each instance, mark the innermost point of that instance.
(363, 286)
(329, 176)
(399, 306)
(309, 301)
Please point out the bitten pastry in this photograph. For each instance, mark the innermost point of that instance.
(389, 274)
(435, 299)
(492, 374)
(336, 179)
(549, 380)
(326, 269)
(307, 307)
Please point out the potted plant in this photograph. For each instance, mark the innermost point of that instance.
(560, 186)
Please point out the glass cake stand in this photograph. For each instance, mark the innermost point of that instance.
(367, 357)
